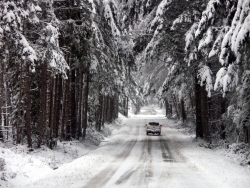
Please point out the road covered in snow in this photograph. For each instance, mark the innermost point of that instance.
(146, 161)
(130, 158)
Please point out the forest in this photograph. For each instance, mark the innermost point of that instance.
(71, 65)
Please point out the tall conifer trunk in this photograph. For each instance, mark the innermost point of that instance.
(86, 95)
(73, 104)
(28, 106)
(51, 105)
(199, 127)
(42, 115)
(204, 115)
(99, 111)
(57, 105)
(64, 105)
(183, 112)
(79, 104)
(68, 111)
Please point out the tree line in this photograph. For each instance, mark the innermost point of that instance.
(68, 65)
(195, 55)
(63, 69)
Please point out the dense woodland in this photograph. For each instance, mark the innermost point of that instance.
(71, 65)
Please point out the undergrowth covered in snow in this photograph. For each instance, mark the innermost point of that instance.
(20, 164)
(239, 152)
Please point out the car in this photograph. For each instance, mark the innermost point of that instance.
(154, 128)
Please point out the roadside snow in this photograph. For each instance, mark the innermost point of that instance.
(217, 165)
(74, 163)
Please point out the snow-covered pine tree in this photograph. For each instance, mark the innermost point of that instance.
(18, 51)
(225, 22)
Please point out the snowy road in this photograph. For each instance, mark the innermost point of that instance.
(146, 161)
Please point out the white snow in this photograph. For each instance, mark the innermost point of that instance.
(205, 77)
(108, 14)
(224, 79)
(184, 17)
(9, 17)
(159, 12)
(207, 15)
(28, 52)
(162, 6)
(238, 32)
(216, 46)
(189, 36)
(75, 163)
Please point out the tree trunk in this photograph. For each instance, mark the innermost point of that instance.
(18, 123)
(99, 111)
(116, 106)
(166, 107)
(63, 120)
(73, 104)
(86, 95)
(176, 106)
(79, 108)
(42, 115)
(204, 115)
(57, 105)
(51, 108)
(183, 112)
(28, 107)
(199, 127)
(68, 111)
(103, 107)
(126, 106)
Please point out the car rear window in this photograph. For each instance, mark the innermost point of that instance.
(153, 123)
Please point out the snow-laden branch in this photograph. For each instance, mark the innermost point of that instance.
(205, 78)
(238, 32)
(207, 15)
(224, 79)
(27, 51)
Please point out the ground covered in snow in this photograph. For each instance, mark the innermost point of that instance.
(127, 158)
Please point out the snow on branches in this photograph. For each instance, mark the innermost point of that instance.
(223, 79)
(184, 17)
(159, 12)
(53, 53)
(207, 16)
(108, 14)
(189, 47)
(217, 44)
(238, 32)
(28, 53)
(206, 40)
(190, 36)
(205, 77)
(223, 36)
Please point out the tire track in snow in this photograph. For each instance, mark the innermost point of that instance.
(141, 169)
(101, 179)
(145, 171)
(165, 151)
